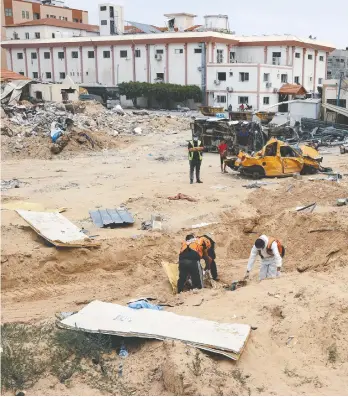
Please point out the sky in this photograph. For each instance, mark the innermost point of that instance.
(326, 20)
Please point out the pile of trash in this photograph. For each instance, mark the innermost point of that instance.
(56, 121)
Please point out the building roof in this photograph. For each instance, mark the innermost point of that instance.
(51, 5)
(292, 89)
(57, 23)
(173, 37)
(180, 14)
(8, 75)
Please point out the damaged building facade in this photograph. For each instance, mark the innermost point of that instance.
(230, 69)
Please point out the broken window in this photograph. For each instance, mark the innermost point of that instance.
(287, 151)
(159, 76)
(221, 99)
(106, 54)
(243, 76)
(38, 95)
(123, 54)
(221, 76)
(271, 150)
(219, 56)
(243, 100)
(90, 54)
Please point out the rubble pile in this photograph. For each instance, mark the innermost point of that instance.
(20, 122)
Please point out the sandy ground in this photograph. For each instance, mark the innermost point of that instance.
(309, 302)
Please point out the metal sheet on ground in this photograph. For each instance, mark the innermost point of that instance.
(111, 217)
(108, 318)
(56, 229)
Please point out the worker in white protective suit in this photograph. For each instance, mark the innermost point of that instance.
(271, 252)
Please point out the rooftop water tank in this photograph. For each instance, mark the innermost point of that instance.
(216, 22)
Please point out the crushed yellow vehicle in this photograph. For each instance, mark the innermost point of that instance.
(277, 159)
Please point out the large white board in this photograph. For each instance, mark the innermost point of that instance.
(108, 318)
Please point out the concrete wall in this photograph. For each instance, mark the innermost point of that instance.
(46, 32)
(52, 92)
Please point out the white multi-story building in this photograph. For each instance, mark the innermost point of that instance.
(229, 69)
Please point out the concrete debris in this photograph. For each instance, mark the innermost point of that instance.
(38, 120)
(341, 202)
(11, 184)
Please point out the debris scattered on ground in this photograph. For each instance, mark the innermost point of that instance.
(341, 202)
(56, 229)
(181, 196)
(203, 224)
(307, 208)
(12, 184)
(24, 205)
(143, 304)
(111, 217)
(172, 272)
(156, 222)
(113, 319)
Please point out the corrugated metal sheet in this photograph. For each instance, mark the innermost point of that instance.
(144, 28)
(111, 217)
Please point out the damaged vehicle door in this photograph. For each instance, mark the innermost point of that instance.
(291, 161)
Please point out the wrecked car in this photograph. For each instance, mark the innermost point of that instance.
(277, 159)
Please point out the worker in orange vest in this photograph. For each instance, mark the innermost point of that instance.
(192, 251)
(271, 252)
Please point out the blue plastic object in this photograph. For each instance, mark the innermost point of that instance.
(143, 304)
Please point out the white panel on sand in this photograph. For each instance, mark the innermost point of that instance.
(108, 318)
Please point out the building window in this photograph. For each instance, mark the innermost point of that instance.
(47, 55)
(297, 55)
(27, 36)
(198, 50)
(19, 55)
(74, 54)
(48, 75)
(27, 14)
(37, 35)
(75, 20)
(159, 51)
(221, 76)
(106, 54)
(8, 12)
(53, 35)
(21, 73)
(320, 81)
(276, 55)
(284, 78)
(103, 22)
(219, 56)
(266, 100)
(23, 14)
(243, 99)
(221, 99)
(159, 76)
(35, 75)
(36, 15)
(62, 75)
(33, 55)
(266, 77)
(179, 51)
(232, 56)
(103, 8)
(61, 55)
(137, 53)
(310, 56)
(123, 54)
(321, 58)
(90, 54)
(276, 58)
(310, 79)
(243, 76)
(342, 102)
(297, 79)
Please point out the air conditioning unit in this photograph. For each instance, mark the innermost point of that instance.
(217, 82)
(268, 85)
(275, 90)
(229, 89)
(158, 57)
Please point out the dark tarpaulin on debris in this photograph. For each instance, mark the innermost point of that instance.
(111, 217)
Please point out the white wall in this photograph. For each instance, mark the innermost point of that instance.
(45, 32)
(52, 92)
